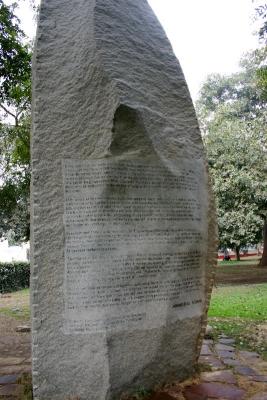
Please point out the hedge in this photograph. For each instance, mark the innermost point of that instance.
(14, 276)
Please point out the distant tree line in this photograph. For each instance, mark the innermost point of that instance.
(233, 115)
(15, 121)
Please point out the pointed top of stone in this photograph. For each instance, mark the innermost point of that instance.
(122, 222)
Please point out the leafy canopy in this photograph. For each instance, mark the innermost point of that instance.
(15, 91)
(232, 114)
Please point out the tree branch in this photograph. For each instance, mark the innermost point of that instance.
(22, 108)
(8, 112)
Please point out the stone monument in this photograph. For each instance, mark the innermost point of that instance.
(123, 237)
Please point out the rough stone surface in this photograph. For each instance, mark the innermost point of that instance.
(232, 362)
(224, 347)
(225, 354)
(254, 386)
(208, 331)
(219, 376)
(11, 390)
(213, 390)
(162, 396)
(205, 350)
(245, 370)
(249, 354)
(208, 341)
(226, 341)
(8, 379)
(259, 396)
(10, 360)
(23, 328)
(15, 369)
(110, 103)
(212, 361)
(262, 365)
(258, 378)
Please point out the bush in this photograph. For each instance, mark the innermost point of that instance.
(14, 276)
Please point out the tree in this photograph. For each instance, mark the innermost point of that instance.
(15, 91)
(235, 161)
(233, 117)
(236, 96)
(261, 73)
(261, 15)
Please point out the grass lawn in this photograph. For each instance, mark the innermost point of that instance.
(244, 301)
(240, 272)
(16, 304)
(238, 311)
(244, 261)
(241, 313)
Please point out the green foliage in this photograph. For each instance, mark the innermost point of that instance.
(15, 189)
(261, 15)
(233, 118)
(14, 276)
(253, 261)
(261, 73)
(235, 157)
(25, 379)
(15, 79)
(262, 81)
(15, 61)
(234, 96)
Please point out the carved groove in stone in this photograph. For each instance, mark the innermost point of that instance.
(107, 87)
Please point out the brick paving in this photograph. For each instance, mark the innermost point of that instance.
(228, 374)
(15, 365)
(231, 375)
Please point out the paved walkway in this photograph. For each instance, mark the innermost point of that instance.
(15, 366)
(229, 374)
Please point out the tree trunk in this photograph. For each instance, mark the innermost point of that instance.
(263, 261)
(237, 251)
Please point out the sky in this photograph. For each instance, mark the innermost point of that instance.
(207, 36)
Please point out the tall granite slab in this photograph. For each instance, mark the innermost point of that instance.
(123, 233)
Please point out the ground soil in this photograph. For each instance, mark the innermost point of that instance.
(16, 360)
(13, 300)
(240, 274)
(8, 326)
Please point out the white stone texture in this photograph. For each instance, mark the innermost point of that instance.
(105, 84)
